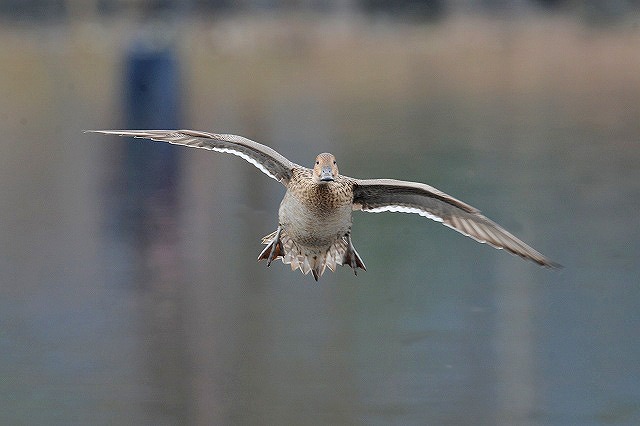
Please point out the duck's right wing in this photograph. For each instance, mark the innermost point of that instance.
(264, 158)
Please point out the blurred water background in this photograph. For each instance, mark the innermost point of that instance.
(129, 290)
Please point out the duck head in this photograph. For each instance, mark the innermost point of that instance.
(325, 168)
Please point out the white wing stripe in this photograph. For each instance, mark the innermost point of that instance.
(457, 224)
(177, 138)
(249, 159)
(403, 209)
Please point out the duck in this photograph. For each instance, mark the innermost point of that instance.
(315, 215)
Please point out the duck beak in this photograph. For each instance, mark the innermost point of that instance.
(326, 174)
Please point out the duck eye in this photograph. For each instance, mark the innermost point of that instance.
(334, 162)
(317, 162)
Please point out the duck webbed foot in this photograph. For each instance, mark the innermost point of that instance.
(351, 257)
(274, 248)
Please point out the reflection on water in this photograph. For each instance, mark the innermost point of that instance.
(173, 321)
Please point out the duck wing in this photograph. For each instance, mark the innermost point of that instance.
(264, 158)
(380, 195)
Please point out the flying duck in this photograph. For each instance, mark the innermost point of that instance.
(314, 220)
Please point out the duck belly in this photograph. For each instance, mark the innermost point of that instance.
(312, 237)
(314, 224)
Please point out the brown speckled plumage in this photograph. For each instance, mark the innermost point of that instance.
(314, 227)
(315, 221)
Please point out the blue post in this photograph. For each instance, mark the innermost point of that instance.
(151, 101)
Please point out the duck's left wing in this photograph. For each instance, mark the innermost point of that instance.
(380, 195)
(268, 160)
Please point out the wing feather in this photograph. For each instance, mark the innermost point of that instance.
(269, 161)
(378, 195)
